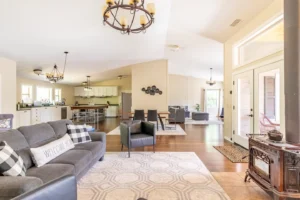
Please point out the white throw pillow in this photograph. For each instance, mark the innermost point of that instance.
(43, 154)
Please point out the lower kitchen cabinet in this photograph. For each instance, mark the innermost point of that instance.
(112, 111)
(23, 118)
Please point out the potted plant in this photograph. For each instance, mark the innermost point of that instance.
(197, 107)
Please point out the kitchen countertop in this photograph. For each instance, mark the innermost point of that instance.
(29, 108)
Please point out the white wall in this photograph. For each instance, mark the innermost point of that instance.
(188, 91)
(8, 97)
(148, 74)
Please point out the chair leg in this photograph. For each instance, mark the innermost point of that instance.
(153, 148)
(128, 152)
(157, 125)
(122, 148)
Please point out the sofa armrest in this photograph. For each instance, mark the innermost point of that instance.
(64, 188)
(11, 187)
(98, 136)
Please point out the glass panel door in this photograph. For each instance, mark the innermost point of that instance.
(243, 107)
(269, 98)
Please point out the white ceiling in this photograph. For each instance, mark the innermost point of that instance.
(35, 33)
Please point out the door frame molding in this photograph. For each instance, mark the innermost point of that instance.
(251, 66)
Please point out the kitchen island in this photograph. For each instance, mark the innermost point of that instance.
(88, 113)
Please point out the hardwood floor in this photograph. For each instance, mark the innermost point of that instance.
(199, 139)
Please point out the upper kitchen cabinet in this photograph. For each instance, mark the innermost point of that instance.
(97, 91)
(79, 92)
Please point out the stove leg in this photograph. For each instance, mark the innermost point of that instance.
(247, 177)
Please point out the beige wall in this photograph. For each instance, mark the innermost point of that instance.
(270, 12)
(67, 91)
(188, 91)
(124, 85)
(148, 74)
(8, 86)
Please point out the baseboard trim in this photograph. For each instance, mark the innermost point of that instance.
(228, 139)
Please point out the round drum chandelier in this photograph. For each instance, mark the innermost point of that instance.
(116, 15)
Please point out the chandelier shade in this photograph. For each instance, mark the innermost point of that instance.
(116, 15)
(210, 82)
(55, 74)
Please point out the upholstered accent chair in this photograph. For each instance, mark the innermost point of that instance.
(137, 134)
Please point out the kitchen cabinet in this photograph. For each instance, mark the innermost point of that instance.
(46, 114)
(97, 91)
(35, 116)
(23, 118)
(56, 113)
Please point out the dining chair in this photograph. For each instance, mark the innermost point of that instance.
(139, 115)
(153, 117)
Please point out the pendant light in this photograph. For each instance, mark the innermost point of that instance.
(88, 88)
(211, 82)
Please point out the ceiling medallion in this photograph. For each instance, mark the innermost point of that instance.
(115, 12)
(56, 75)
(211, 82)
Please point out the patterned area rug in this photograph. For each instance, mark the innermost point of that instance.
(234, 153)
(168, 131)
(153, 176)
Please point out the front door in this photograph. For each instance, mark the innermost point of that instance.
(243, 107)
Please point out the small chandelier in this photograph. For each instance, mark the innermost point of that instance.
(56, 75)
(87, 87)
(134, 7)
(211, 82)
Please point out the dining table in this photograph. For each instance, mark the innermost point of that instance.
(160, 117)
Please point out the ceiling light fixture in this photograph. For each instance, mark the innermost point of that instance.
(38, 72)
(88, 84)
(56, 75)
(133, 8)
(211, 82)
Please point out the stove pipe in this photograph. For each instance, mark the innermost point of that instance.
(292, 70)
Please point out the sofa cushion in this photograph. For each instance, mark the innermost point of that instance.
(15, 139)
(43, 154)
(39, 134)
(50, 172)
(60, 127)
(79, 158)
(140, 140)
(94, 147)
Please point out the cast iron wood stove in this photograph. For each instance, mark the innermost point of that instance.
(275, 167)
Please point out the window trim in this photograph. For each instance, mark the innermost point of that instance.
(60, 94)
(250, 37)
(30, 92)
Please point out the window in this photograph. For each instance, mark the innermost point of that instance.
(265, 41)
(43, 94)
(57, 95)
(26, 93)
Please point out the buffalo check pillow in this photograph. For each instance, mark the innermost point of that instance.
(11, 164)
(78, 134)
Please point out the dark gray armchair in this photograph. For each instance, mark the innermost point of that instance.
(137, 134)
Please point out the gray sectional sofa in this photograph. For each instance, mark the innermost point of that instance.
(76, 161)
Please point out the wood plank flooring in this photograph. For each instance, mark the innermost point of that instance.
(199, 139)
